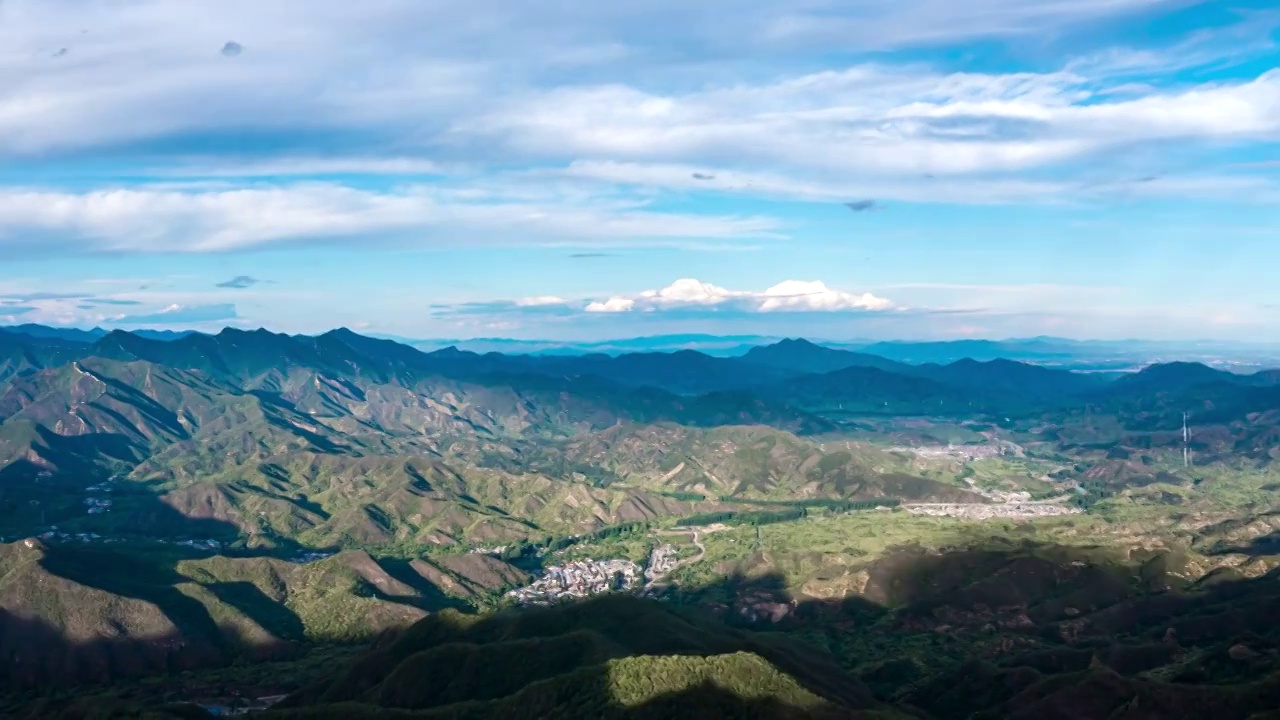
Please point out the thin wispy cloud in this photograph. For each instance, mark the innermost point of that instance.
(32, 296)
(180, 315)
(147, 220)
(112, 301)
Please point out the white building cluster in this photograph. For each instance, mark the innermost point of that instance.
(981, 511)
(662, 560)
(578, 579)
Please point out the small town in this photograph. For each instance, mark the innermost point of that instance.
(310, 557)
(1002, 496)
(986, 511)
(959, 452)
(578, 579)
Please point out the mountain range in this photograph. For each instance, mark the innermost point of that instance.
(182, 486)
(342, 439)
(1052, 351)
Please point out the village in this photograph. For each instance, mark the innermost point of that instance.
(578, 579)
(583, 578)
(987, 511)
(958, 452)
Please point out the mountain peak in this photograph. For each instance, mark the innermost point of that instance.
(344, 332)
(797, 342)
(1183, 371)
(805, 356)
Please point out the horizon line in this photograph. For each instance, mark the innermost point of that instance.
(709, 336)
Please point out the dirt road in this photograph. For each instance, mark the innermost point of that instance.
(656, 583)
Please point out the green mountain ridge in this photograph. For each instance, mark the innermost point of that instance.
(175, 503)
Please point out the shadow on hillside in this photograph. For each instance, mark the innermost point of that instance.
(270, 615)
(430, 597)
(61, 502)
(1264, 545)
(611, 656)
(1028, 632)
(136, 614)
(1014, 632)
(131, 550)
(37, 657)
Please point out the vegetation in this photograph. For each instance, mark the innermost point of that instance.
(794, 510)
(277, 502)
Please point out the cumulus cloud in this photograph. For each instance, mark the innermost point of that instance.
(613, 304)
(786, 296)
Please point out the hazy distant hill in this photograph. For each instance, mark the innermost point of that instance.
(1000, 380)
(801, 356)
(948, 351)
(716, 345)
(86, 336)
(21, 353)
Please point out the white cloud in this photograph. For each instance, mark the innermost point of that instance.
(815, 295)
(786, 296)
(298, 166)
(766, 184)
(872, 121)
(437, 78)
(169, 220)
(612, 305)
(980, 189)
(540, 301)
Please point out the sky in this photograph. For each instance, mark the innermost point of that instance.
(851, 169)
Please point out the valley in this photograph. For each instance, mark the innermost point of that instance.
(177, 511)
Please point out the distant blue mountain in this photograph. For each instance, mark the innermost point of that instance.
(718, 345)
(52, 333)
(87, 336)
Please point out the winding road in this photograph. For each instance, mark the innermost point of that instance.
(656, 583)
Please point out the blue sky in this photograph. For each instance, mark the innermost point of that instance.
(852, 169)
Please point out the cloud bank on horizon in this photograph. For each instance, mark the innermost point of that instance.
(1100, 168)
